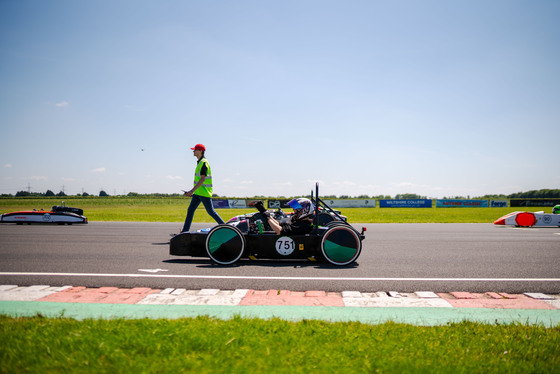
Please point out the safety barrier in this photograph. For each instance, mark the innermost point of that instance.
(394, 203)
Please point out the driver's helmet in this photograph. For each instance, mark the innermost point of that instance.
(303, 208)
(556, 209)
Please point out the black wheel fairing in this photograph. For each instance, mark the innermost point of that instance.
(225, 244)
(341, 245)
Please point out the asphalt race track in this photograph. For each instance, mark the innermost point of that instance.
(395, 257)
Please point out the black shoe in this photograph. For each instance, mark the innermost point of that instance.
(260, 206)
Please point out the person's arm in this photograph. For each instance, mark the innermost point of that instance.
(191, 192)
(274, 225)
(271, 221)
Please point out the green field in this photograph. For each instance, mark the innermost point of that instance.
(174, 209)
(206, 345)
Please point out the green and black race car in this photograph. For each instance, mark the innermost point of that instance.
(332, 239)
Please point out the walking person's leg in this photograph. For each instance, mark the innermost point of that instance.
(195, 202)
(207, 201)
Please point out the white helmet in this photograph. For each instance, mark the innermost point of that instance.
(302, 207)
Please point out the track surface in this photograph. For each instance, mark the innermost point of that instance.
(395, 257)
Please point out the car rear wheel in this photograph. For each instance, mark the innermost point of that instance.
(341, 245)
(225, 244)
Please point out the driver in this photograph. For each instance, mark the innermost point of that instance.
(301, 222)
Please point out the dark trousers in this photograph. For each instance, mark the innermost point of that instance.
(195, 202)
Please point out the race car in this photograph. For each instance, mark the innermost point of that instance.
(59, 214)
(332, 239)
(531, 219)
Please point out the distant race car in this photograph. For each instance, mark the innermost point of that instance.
(61, 215)
(529, 219)
(332, 240)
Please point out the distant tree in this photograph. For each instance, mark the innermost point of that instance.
(103, 193)
(85, 194)
(22, 193)
(49, 193)
(493, 196)
(536, 194)
(61, 193)
(382, 197)
(131, 194)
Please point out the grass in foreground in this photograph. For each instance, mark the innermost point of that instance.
(174, 209)
(251, 345)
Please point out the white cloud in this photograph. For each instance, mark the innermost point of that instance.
(175, 177)
(38, 178)
(404, 184)
(98, 170)
(246, 182)
(62, 104)
(344, 184)
(7, 165)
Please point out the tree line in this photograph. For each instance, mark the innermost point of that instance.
(50, 193)
(533, 194)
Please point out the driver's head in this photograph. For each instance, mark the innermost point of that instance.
(303, 208)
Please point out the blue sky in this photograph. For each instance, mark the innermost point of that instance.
(438, 98)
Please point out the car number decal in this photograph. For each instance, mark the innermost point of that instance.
(285, 246)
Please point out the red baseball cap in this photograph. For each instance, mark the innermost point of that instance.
(199, 147)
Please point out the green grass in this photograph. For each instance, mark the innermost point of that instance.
(174, 209)
(255, 346)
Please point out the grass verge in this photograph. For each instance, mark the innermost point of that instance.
(174, 209)
(251, 345)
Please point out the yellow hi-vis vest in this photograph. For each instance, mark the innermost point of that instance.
(206, 188)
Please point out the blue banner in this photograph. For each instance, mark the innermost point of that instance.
(462, 203)
(406, 203)
(220, 203)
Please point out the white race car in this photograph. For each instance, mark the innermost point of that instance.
(61, 215)
(529, 219)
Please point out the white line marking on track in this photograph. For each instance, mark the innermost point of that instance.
(152, 270)
(282, 278)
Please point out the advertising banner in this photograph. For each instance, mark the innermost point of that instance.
(281, 203)
(220, 203)
(534, 202)
(350, 203)
(342, 203)
(498, 203)
(406, 203)
(237, 204)
(462, 203)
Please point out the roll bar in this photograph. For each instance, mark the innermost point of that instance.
(317, 201)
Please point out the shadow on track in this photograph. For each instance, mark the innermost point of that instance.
(207, 263)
